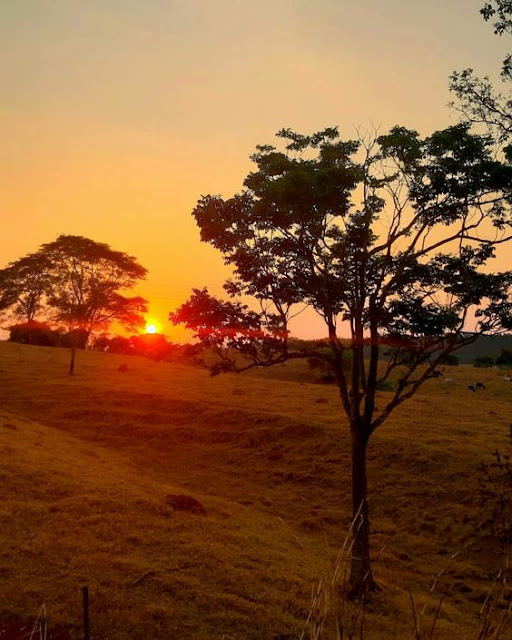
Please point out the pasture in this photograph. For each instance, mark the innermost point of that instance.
(87, 463)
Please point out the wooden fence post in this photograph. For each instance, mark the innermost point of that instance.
(85, 592)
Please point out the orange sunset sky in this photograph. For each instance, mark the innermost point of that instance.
(117, 115)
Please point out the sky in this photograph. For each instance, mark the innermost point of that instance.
(117, 115)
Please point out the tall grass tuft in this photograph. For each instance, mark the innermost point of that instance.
(496, 611)
(333, 615)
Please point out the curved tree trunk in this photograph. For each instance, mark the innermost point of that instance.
(361, 578)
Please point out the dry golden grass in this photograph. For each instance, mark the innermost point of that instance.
(87, 462)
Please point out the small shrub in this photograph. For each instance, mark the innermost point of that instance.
(449, 359)
(504, 360)
(483, 362)
(322, 369)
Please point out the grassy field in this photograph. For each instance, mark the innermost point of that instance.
(87, 463)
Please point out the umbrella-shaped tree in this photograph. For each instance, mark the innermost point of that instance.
(88, 280)
(387, 236)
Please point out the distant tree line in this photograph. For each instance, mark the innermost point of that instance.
(504, 360)
(154, 346)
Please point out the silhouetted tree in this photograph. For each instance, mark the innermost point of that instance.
(477, 99)
(387, 235)
(23, 285)
(483, 362)
(87, 280)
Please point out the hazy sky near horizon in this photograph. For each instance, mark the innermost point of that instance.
(116, 115)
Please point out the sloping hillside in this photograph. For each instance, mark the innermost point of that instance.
(485, 347)
(89, 461)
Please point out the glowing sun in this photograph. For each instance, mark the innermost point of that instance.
(151, 328)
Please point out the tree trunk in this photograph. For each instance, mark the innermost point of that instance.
(72, 361)
(73, 351)
(361, 578)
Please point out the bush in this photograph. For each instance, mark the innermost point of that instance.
(483, 361)
(504, 359)
(385, 385)
(449, 359)
(325, 372)
(35, 333)
(116, 344)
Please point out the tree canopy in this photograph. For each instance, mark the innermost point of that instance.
(87, 280)
(390, 237)
(478, 100)
(23, 286)
(76, 282)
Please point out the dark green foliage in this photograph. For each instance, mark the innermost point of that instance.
(43, 335)
(484, 361)
(322, 368)
(505, 358)
(116, 344)
(385, 385)
(35, 333)
(485, 346)
(449, 359)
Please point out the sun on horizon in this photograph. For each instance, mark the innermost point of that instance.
(151, 327)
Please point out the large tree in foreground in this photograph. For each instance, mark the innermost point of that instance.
(389, 238)
(88, 279)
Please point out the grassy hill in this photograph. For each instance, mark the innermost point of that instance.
(88, 461)
(484, 347)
